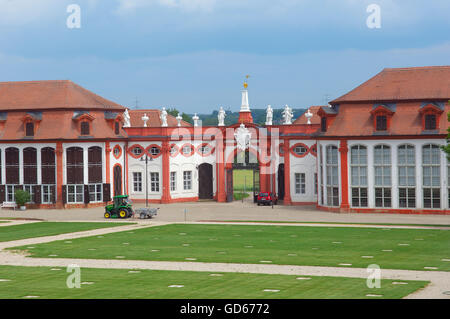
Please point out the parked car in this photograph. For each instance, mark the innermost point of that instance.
(267, 198)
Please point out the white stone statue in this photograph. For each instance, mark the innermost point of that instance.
(195, 118)
(179, 118)
(221, 117)
(126, 119)
(308, 116)
(242, 136)
(287, 115)
(163, 117)
(269, 115)
(145, 118)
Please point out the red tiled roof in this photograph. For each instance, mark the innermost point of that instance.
(418, 83)
(41, 95)
(314, 120)
(356, 120)
(154, 118)
(58, 124)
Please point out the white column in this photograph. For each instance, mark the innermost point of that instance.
(370, 177)
(443, 179)
(394, 175)
(21, 166)
(419, 178)
(3, 159)
(39, 165)
(85, 165)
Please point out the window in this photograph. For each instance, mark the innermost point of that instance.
(84, 128)
(137, 151)
(323, 124)
(300, 183)
(154, 151)
(448, 182)
(358, 167)
(406, 176)
(187, 180)
(332, 170)
(281, 149)
(431, 157)
(95, 193)
(430, 121)
(116, 128)
(29, 127)
(29, 189)
(154, 182)
(47, 194)
(75, 193)
(321, 175)
(205, 149)
(315, 184)
(137, 182)
(381, 123)
(300, 150)
(10, 197)
(186, 150)
(116, 152)
(173, 181)
(382, 166)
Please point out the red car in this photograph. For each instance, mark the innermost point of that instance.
(267, 198)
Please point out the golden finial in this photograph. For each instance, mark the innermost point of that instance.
(245, 82)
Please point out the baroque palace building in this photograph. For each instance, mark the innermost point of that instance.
(374, 149)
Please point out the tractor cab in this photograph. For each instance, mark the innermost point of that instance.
(120, 208)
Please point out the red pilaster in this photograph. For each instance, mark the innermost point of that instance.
(287, 174)
(59, 174)
(165, 172)
(107, 161)
(343, 149)
(220, 158)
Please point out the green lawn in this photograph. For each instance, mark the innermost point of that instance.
(340, 223)
(43, 282)
(290, 245)
(41, 229)
(242, 177)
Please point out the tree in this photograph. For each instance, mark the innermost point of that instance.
(185, 117)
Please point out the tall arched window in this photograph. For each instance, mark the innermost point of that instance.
(75, 175)
(431, 165)
(406, 160)
(12, 172)
(95, 172)
(332, 167)
(358, 163)
(321, 174)
(48, 172)
(383, 180)
(30, 170)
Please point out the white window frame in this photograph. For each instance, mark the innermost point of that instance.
(97, 193)
(173, 181)
(76, 193)
(137, 182)
(187, 180)
(45, 193)
(384, 165)
(406, 162)
(300, 183)
(435, 180)
(154, 182)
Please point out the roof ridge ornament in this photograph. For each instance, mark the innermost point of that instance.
(145, 118)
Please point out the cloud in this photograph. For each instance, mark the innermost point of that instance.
(130, 6)
(23, 12)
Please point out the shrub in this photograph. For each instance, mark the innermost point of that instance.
(22, 197)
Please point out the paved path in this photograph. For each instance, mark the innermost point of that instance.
(440, 281)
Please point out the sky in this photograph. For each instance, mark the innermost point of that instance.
(194, 54)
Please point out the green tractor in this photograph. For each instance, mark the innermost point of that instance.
(120, 208)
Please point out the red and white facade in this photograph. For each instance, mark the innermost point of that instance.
(375, 149)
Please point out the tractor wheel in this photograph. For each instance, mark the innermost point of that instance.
(107, 215)
(123, 213)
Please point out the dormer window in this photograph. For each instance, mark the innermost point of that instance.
(116, 128)
(29, 129)
(382, 115)
(84, 128)
(323, 124)
(431, 114)
(381, 123)
(430, 121)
